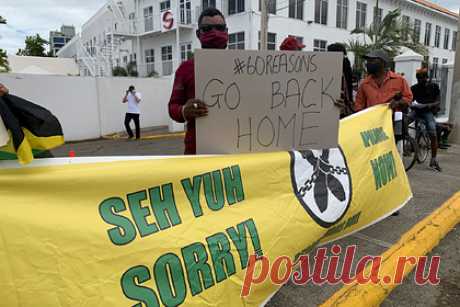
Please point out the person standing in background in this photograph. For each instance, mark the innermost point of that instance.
(133, 99)
(347, 82)
(291, 43)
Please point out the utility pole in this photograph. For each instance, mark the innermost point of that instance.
(454, 115)
(264, 24)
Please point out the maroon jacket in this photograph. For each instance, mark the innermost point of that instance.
(183, 90)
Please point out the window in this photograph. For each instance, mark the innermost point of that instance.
(235, 6)
(150, 60)
(208, 3)
(444, 61)
(296, 9)
(417, 29)
(133, 58)
(236, 40)
(361, 10)
(148, 18)
(271, 6)
(58, 40)
(271, 41)
(446, 38)
(437, 37)
(454, 40)
(434, 72)
(166, 58)
(125, 59)
(319, 45)
(185, 11)
(165, 5)
(406, 26)
(342, 14)
(321, 11)
(427, 34)
(378, 13)
(185, 51)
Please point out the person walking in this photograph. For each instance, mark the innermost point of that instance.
(133, 99)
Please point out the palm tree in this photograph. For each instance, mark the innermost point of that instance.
(390, 34)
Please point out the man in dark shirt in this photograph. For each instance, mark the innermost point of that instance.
(183, 107)
(426, 104)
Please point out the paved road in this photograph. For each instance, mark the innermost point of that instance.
(430, 191)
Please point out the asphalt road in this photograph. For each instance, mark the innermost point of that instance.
(430, 190)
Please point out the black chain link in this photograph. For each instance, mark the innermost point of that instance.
(308, 185)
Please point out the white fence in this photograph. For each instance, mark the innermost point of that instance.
(91, 107)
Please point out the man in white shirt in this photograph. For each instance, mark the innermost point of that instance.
(133, 99)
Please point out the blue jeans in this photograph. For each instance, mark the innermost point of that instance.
(428, 120)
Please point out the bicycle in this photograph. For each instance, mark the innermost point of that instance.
(407, 146)
(423, 140)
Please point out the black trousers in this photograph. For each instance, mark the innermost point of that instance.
(128, 118)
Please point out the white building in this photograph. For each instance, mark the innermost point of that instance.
(132, 30)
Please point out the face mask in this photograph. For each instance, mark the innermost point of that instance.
(373, 68)
(214, 39)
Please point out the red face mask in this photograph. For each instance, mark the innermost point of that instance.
(214, 39)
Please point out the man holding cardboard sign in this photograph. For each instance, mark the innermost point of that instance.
(183, 107)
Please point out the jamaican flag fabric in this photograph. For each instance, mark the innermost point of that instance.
(32, 129)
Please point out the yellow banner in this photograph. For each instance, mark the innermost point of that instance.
(180, 231)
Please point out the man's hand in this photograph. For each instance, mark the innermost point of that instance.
(194, 108)
(3, 90)
(340, 103)
(397, 104)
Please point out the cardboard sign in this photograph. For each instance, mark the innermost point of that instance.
(267, 101)
(3, 134)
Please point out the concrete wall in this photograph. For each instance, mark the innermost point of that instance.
(91, 107)
(42, 65)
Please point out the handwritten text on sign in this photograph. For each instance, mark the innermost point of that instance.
(267, 101)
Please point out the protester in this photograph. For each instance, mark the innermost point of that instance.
(32, 130)
(3, 90)
(183, 107)
(133, 99)
(347, 80)
(382, 85)
(425, 105)
(291, 43)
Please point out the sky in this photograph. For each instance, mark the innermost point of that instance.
(28, 17)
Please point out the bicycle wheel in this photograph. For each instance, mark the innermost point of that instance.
(407, 149)
(424, 146)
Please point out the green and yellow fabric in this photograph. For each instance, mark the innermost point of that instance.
(31, 128)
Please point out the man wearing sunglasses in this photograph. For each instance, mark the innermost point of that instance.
(183, 107)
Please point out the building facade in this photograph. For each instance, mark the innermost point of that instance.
(59, 38)
(131, 32)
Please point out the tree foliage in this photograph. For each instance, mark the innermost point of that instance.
(390, 34)
(4, 66)
(34, 46)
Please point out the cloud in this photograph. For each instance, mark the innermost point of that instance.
(28, 17)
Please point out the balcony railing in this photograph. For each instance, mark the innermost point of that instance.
(154, 23)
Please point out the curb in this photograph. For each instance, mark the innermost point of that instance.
(151, 137)
(418, 241)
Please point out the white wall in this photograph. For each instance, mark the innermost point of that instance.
(88, 108)
(155, 98)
